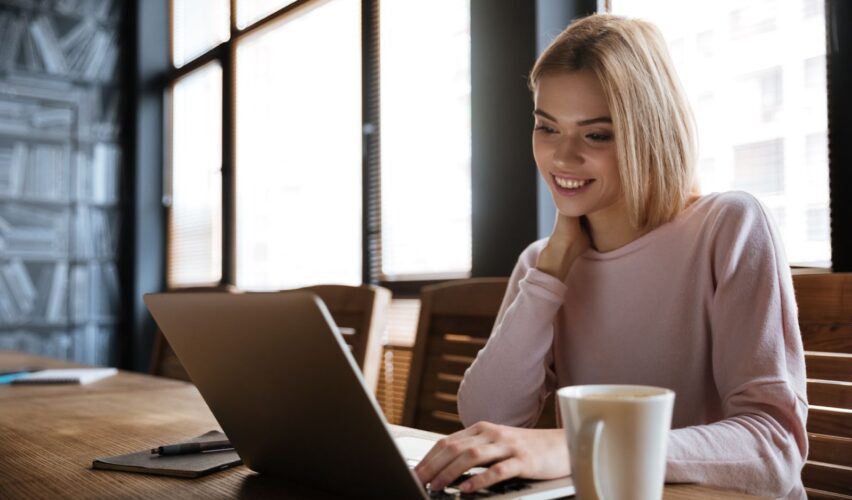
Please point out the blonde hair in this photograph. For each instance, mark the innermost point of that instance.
(651, 117)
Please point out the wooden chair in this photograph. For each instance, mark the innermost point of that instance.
(164, 361)
(456, 319)
(825, 318)
(361, 315)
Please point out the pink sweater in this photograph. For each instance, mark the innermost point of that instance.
(704, 306)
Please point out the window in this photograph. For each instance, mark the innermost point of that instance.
(757, 17)
(769, 84)
(282, 202)
(425, 126)
(298, 170)
(760, 105)
(195, 201)
(197, 26)
(705, 44)
(815, 73)
(817, 224)
(816, 167)
(249, 11)
(759, 167)
(813, 8)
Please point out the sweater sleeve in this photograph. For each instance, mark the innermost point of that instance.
(758, 367)
(523, 325)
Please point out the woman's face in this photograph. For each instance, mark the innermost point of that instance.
(573, 143)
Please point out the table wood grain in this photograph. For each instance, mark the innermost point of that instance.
(49, 436)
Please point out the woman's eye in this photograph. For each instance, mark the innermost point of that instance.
(599, 137)
(545, 129)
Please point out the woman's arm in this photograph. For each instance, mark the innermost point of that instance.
(758, 368)
(510, 378)
(508, 381)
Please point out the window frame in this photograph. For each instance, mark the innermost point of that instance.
(838, 62)
(225, 54)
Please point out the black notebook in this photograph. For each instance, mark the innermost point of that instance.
(191, 465)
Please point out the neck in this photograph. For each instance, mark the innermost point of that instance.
(610, 228)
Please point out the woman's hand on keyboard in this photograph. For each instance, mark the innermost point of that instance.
(506, 452)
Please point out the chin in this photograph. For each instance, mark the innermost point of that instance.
(571, 211)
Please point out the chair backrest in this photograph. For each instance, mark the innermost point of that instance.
(361, 315)
(825, 318)
(164, 362)
(456, 319)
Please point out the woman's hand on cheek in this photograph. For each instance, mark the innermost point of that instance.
(506, 451)
(567, 242)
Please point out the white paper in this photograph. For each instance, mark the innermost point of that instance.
(66, 376)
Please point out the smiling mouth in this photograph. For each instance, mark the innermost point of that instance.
(571, 184)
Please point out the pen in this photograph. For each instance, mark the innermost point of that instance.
(187, 448)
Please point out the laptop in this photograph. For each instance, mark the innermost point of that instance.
(278, 377)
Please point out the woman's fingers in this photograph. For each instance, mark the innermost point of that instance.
(500, 471)
(470, 457)
(429, 466)
(531, 453)
(568, 229)
(567, 242)
(564, 222)
(444, 453)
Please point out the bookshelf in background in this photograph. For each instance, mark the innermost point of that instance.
(60, 174)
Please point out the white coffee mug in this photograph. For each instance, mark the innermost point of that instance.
(617, 436)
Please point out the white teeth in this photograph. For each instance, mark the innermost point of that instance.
(570, 183)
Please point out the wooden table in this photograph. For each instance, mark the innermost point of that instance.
(49, 436)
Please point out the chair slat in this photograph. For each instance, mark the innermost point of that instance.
(429, 402)
(824, 298)
(830, 449)
(458, 326)
(468, 349)
(833, 394)
(440, 384)
(823, 366)
(827, 337)
(814, 494)
(450, 364)
(830, 478)
(830, 422)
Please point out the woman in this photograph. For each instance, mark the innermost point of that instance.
(641, 282)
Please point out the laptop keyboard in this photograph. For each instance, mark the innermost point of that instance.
(501, 488)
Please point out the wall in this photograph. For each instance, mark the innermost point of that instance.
(60, 178)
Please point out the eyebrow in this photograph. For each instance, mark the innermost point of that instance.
(582, 123)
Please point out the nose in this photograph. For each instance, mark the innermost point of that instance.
(567, 153)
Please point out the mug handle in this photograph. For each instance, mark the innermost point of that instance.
(586, 471)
